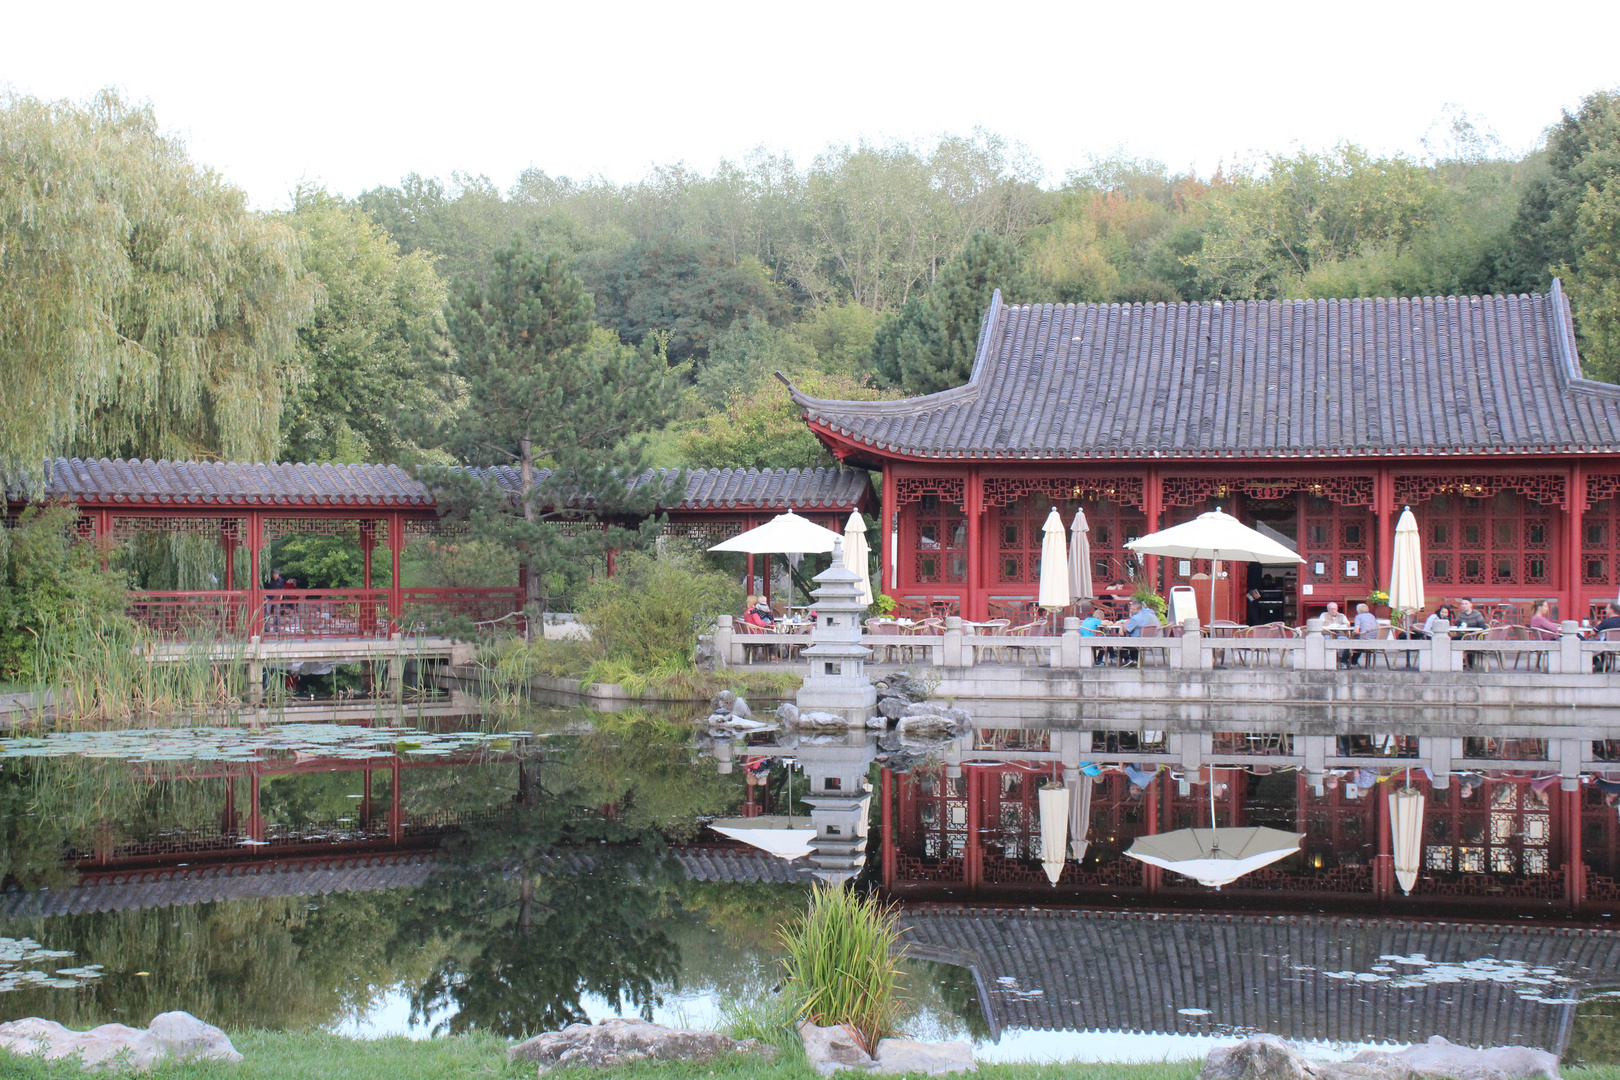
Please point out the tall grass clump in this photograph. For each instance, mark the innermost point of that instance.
(843, 965)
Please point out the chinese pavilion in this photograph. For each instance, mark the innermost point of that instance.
(1315, 419)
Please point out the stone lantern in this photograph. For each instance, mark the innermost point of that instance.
(836, 681)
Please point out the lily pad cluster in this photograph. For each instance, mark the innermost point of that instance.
(16, 953)
(339, 741)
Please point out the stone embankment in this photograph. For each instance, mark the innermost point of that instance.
(171, 1035)
(1266, 1057)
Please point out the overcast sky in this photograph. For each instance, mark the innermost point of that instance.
(358, 95)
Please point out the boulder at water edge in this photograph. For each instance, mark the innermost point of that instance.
(171, 1035)
(931, 1059)
(829, 1049)
(1266, 1057)
(615, 1043)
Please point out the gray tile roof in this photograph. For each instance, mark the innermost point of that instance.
(1281, 378)
(1135, 971)
(216, 483)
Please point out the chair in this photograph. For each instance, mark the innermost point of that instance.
(885, 628)
(1527, 633)
(1604, 661)
(1390, 633)
(1013, 650)
(929, 627)
(1265, 632)
(748, 629)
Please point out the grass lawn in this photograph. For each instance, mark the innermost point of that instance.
(306, 1056)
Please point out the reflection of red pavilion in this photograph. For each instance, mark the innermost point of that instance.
(971, 830)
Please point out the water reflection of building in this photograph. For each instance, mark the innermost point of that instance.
(1499, 834)
(1344, 980)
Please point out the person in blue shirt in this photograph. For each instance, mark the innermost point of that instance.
(1090, 624)
(1141, 616)
(1365, 627)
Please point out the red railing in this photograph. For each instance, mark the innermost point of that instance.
(193, 616)
(321, 614)
(325, 614)
(487, 608)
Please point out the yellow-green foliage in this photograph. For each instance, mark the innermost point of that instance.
(651, 611)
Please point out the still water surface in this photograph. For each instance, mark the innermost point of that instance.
(431, 873)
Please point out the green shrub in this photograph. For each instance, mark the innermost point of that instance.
(50, 579)
(651, 611)
(842, 963)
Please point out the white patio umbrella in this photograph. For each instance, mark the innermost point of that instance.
(857, 556)
(1215, 535)
(1212, 856)
(771, 833)
(1054, 805)
(1406, 567)
(785, 534)
(1054, 564)
(1406, 830)
(1080, 818)
(1080, 557)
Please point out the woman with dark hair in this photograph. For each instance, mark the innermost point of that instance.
(1541, 622)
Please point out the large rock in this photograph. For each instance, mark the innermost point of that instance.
(787, 714)
(172, 1035)
(1266, 1057)
(892, 708)
(822, 721)
(614, 1043)
(830, 1049)
(740, 709)
(930, 1059)
(723, 702)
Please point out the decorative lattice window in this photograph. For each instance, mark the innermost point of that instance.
(936, 541)
(1487, 828)
(1600, 541)
(1336, 542)
(1499, 541)
(1017, 532)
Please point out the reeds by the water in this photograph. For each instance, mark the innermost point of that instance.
(843, 965)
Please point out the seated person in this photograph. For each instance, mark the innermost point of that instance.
(1469, 619)
(1541, 622)
(1333, 620)
(1141, 617)
(1441, 614)
(756, 614)
(1090, 625)
(1610, 621)
(1366, 628)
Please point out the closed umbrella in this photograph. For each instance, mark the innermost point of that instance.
(1080, 557)
(1406, 566)
(856, 555)
(1080, 818)
(1406, 829)
(1215, 536)
(1054, 564)
(1054, 804)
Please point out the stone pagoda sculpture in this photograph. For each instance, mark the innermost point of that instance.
(836, 681)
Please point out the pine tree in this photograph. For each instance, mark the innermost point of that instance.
(560, 401)
(936, 346)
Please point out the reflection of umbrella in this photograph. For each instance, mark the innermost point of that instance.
(1406, 567)
(1080, 557)
(1406, 829)
(1080, 818)
(1215, 857)
(856, 555)
(771, 833)
(1215, 535)
(1054, 802)
(1054, 563)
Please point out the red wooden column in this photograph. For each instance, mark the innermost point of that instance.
(977, 607)
(255, 820)
(1384, 863)
(972, 851)
(396, 823)
(890, 859)
(255, 543)
(396, 591)
(1575, 858)
(1574, 510)
(1157, 792)
(1152, 507)
(1384, 510)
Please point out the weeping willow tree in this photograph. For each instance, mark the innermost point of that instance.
(145, 310)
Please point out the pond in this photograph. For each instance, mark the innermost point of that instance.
(434, 871)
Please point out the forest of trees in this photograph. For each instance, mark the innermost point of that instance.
(146, 310)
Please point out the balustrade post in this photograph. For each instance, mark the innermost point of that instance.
(972, 850)
(1190, 655)
(953, 649)
(1069, 651)
(1439, 655)
(1315, 646)
(722, 641)
(1568, 659)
